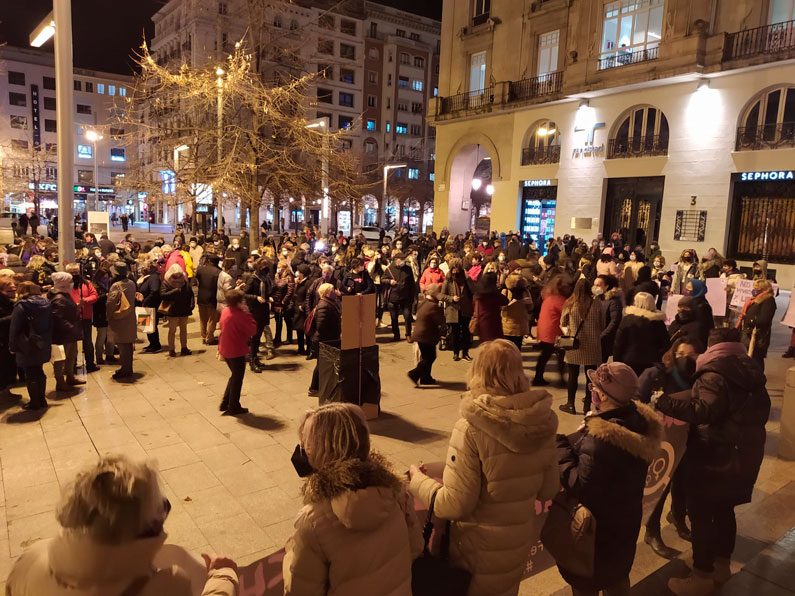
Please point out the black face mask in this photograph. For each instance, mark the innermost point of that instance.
(686, 367)
(301, 462)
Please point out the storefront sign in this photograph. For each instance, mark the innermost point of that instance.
(35, 116)
(79, 188)
(547, 182)
(588, 151)
(753, 176)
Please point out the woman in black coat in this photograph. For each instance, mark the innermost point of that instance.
(67, 330)
(326, 326)
(30, 340)
(606, 288)
(8, 368)
(604, 466)
(299, 305)
(149, 287)
(177, 295)
(757, 317)
(643, 283)
(258, 287)
(642, 337)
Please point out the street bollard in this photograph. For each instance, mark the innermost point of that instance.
(786, 443)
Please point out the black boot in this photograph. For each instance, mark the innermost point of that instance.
(655, 541)
(790, 353)
(681, 527)
(255, 365)
(568, 408)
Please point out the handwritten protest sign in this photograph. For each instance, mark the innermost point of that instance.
(671, 306)
(742, 292)
(789, 316)
(716, 295)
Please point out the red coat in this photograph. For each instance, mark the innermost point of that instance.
(431, 276)
(549, 318)
(488, 310)
(89, 297)
(237, 329)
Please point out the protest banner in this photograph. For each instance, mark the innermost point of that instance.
(716, 295)
(664, 464)
(671, 306)
(789, 317)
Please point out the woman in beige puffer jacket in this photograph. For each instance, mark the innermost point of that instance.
(358, 533)
(501, 458)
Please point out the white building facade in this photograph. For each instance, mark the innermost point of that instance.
(28, 136)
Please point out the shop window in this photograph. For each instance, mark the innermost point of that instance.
(761, 224)
(16, 78)
(631, 32)
(20, 122)
(769, 122)
(644, 131)
(543, 145)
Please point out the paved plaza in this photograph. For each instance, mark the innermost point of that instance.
(230, 480)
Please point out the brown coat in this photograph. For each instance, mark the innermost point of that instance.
(516, 316)
(501, 459)
(428, 322)
(353, 542)
(122, 331)
(590, 350)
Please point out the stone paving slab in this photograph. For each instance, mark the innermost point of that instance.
(230, 481)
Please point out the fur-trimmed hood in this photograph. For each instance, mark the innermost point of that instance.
(614, 293)
(642, 440)
(646, 314)
(522, 422)
(362, 494)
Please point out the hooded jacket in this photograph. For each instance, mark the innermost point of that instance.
(604, 466)
(357, 533)
(516, 316)
(501, 458)
(176, 291)
(31, 314)
(73, 565)
(642, 338)
(66, 318)
(729, 408)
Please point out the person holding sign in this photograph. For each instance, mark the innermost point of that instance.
(756, 320)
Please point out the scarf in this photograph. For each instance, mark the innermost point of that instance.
(721, 350)
(757, 299)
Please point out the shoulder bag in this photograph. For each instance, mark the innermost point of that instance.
(569, 534)
(474, 329)
(434, 575)
(571, 342)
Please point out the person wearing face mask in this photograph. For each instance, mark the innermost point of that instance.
(302, 283)
(234, 253)
(760, 270)
(756, 320)
(476, 267)
(516, 314)
(642, 337)
(673, 375)
(485, 248)
(356, 280)
(457, 296)
(355, 506)
(432, 275)
(660, 274)
(643, 283)
(84, 295)
(710, 265)
(401, 292)
(258, 287)
(604, 465)
(606, 290)
(728, 411)
(606, 265)
(282, 295)
(686, 269)
(653, 251)
(326, 326)
(207, 299)
(196, 252)
(697, 290)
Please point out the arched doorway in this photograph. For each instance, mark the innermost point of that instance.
(412, 216)
(472, 172)
(427, 215)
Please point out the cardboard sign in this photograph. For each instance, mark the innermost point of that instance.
(716, 295)
(671, 307)
(743, 292)
(358, 321)
(789, 317)
(145, 319)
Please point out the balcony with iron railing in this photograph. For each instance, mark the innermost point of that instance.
(470, 100)
(765, 136)
(540, 155)
(630, 57)
(637, 147)
(770, 39)
(540, 86)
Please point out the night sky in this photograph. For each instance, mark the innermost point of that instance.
(106, 31)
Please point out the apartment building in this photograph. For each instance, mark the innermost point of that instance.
(657, 119)
(356, 49)
(28, 135)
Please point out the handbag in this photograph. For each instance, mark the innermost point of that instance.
(474, 328)
(571, 342)
(164, 308)
(433, 575)
(309, 322)
(569, 534)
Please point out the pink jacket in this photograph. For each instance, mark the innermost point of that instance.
(89, 296)
(176, 257)
(431, 276)
(237, 328)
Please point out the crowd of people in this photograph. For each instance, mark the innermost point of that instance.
(596, 306)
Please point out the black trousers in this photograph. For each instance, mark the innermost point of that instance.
(237, 366)
(516, 339)
(125, 359)
(423, 369)
(573, 382)
(254, 353)
(395, 308)
(154, 337)
(676, 488)
(714, 530)
(88, 342)
(299, 337)
(460, 337)
(283, 319)
(315, 384)
(547, 350)
(36, 383)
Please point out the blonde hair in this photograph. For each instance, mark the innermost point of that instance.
(334, 432)
(324, 290)
(36, 262)
(114, 501)
(497, 368)
(763, 284)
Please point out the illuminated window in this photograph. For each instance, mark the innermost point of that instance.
(414, 174)
(111, 89)
(631, 26)
(416, 85)
(101, 88)
(370, 124)
(85, 151)
(117, 154)
(401, 128)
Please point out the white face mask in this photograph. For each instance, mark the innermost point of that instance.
(657, 264)
(597, 290)
(501, 258)
(632, 257)
(434, 265)
(193, 245)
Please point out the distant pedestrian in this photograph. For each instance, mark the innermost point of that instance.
(237, 329)
(427, 332)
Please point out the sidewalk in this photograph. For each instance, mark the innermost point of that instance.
(230, 481)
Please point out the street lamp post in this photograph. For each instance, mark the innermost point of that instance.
(177, 151)
(92, 136)
(61, 17)
(323, 124)
(385, 205)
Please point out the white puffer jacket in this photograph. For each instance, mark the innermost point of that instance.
(501, 459)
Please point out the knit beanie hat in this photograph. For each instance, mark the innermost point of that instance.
(62, 281)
